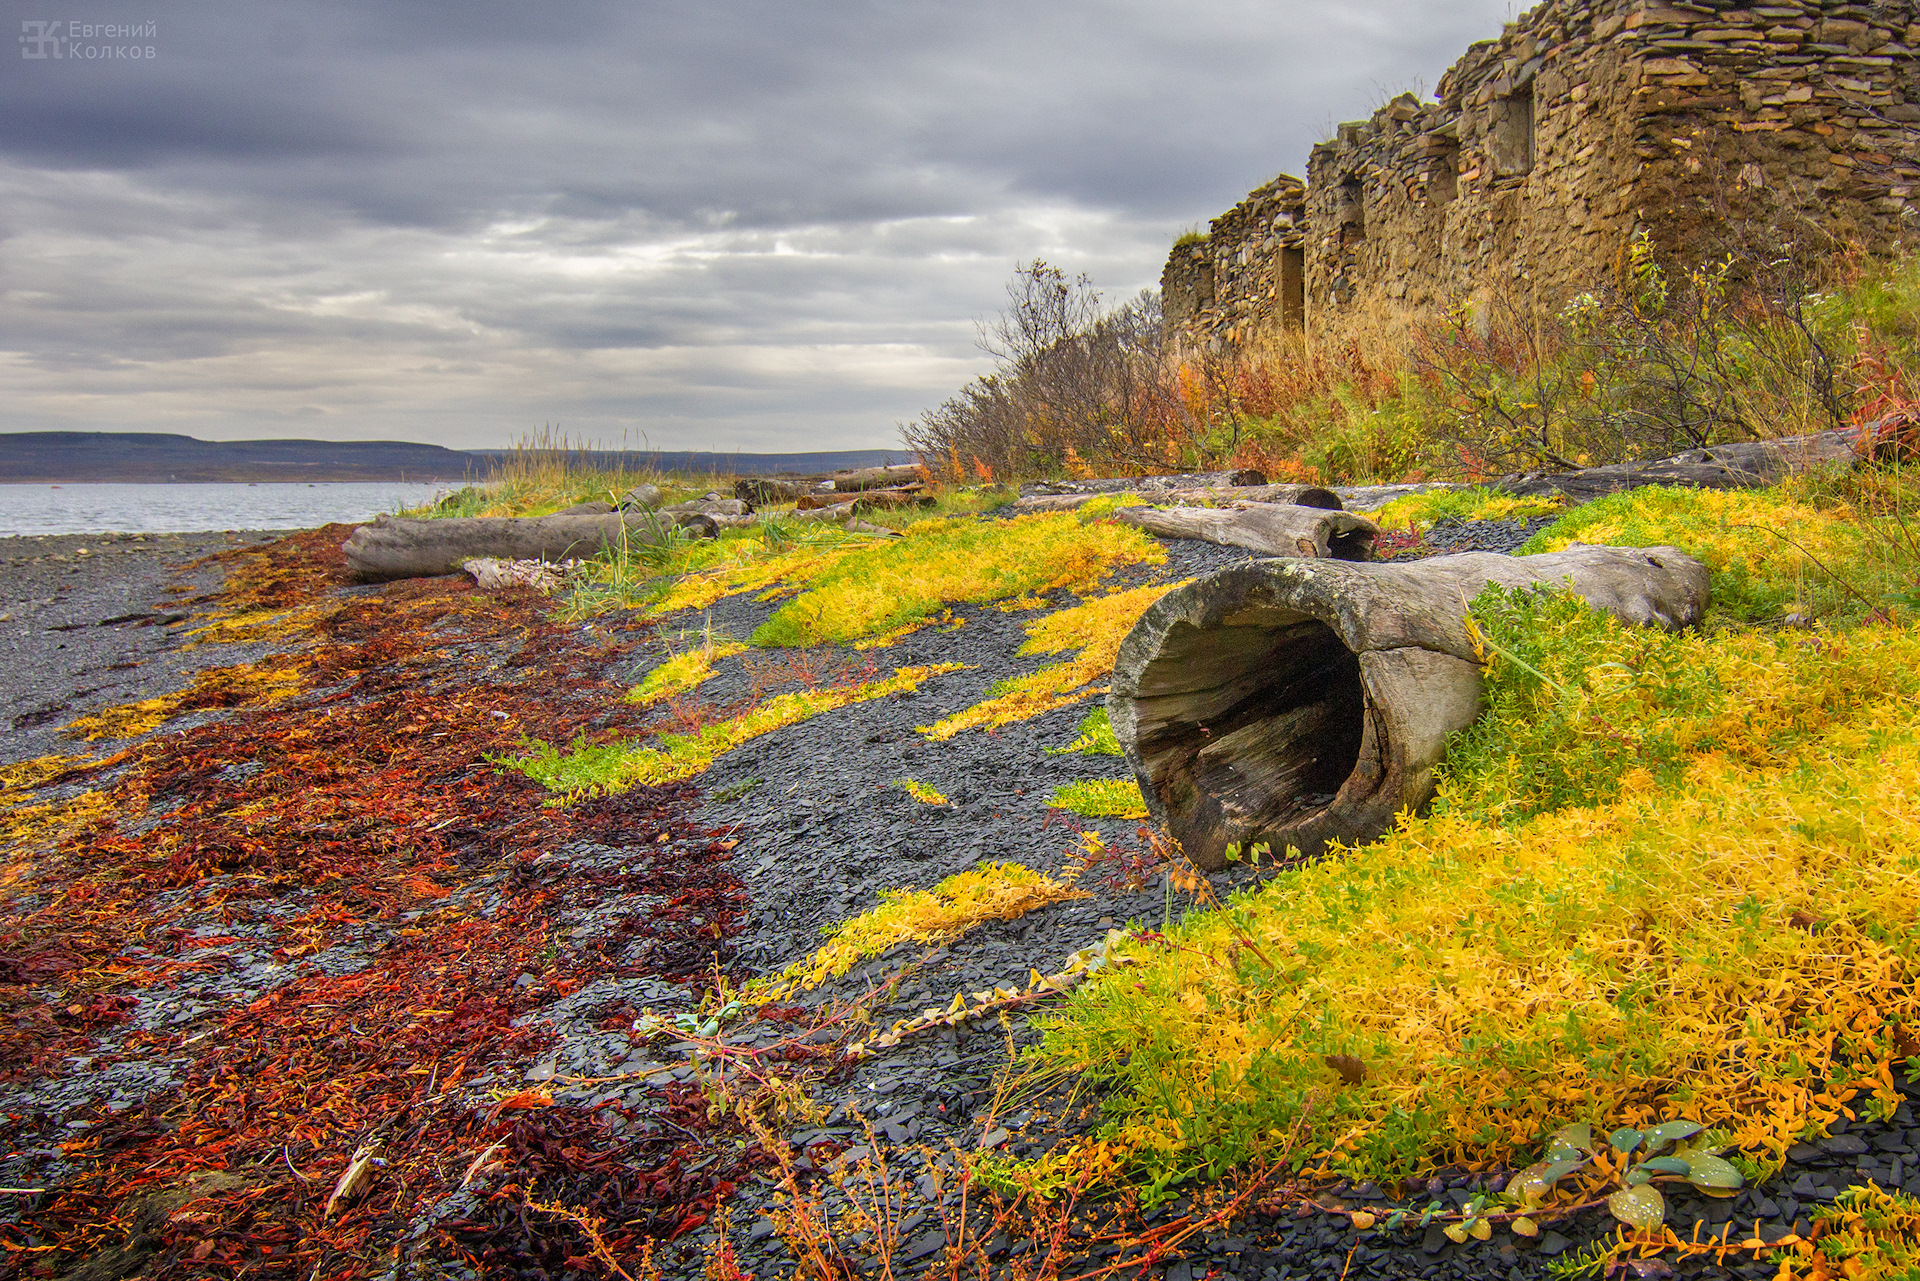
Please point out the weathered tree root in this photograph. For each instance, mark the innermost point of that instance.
(1302, 701)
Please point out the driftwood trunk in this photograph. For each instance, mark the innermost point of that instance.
(400, 547)
(852, 482)
(1277, 529)
(1298, 702)
(762, 490)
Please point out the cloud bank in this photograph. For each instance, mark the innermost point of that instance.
(737, 225)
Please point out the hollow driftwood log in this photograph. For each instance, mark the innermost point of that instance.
(1298, 702)
(401, 547)
(1298, 495)
(1237, 478)
(1278, 529)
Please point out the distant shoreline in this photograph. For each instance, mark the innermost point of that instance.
(158, 458)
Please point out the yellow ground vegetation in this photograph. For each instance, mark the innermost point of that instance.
(1094, 627)
(1101, 798)
(246, 685)
(943, 562)
(989, 892)
(1667, 876)
(746, 566)
(682, 673)
(24, 776)
(260, 625)
(925, 793)
(1420, 511)
(26, 827)
(614, 767)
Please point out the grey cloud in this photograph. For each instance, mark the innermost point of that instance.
(725, 222)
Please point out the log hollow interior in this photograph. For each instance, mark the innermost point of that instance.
(1352, 544)
(1248, 729)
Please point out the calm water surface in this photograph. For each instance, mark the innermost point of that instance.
(186, 508)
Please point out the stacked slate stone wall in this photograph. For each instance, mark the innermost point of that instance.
(1248, 273)
(1712, 125)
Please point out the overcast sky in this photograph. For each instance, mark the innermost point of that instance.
(706, 225)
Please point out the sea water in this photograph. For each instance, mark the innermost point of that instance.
(196, 508)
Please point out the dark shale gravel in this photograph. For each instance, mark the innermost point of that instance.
(89, 621)
(823, 830)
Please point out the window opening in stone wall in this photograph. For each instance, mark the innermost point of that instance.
(1353, 208)
(1293, 287)
(1443, 172)
(1513, 134)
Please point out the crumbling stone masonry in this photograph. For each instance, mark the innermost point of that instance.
(1544, 149)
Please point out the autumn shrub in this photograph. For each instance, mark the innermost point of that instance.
(1077, 386)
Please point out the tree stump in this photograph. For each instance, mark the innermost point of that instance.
(1303, 701)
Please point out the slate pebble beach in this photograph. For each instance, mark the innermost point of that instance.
(823, 829)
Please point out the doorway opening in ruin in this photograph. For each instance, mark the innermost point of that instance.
(1353, 208)
(1293, 287)
(1513, 133)
(1443, 171)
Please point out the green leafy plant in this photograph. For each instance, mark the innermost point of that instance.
(1634, 1161)
(1101, 798)
(1096, 737)
(925, 793)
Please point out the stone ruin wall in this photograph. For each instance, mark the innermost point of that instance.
(1543, 151)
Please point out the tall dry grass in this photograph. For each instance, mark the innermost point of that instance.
(547, 471)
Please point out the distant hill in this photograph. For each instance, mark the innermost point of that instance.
(80, 457)
(701, 464)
